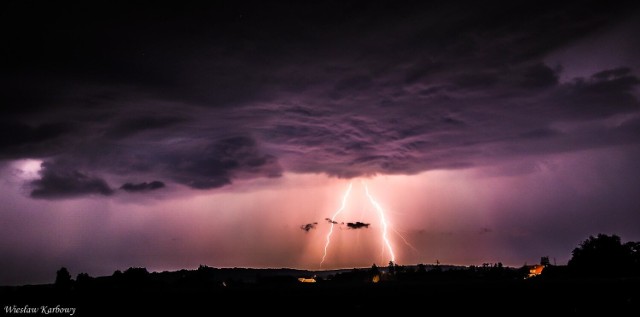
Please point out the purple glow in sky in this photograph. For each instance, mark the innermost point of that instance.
(173, 137)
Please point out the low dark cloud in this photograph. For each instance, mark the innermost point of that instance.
(58, 182)
(358, 225)
(309, 226)
(331, 221)
(142, 187)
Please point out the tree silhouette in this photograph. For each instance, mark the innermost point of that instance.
(634, 248)
(135, 275)
(374, 273)
(391, 268)
(63, 278)
(374, 270)
(603, 256)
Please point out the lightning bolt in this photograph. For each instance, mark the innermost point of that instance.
(405, 240)
(383, 220)
(333, 219)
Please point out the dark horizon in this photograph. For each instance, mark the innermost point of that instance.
(602, 276)
(437, 265)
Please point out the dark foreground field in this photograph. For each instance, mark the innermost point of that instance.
(560, 297)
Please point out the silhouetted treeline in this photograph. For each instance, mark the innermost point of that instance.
(602, 277)
(599, 256)
(606, 256)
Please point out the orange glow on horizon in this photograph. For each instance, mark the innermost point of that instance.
(535, 270)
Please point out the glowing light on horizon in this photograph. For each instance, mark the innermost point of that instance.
(333, 219)
(383, 220)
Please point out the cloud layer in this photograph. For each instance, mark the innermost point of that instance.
(237, 92)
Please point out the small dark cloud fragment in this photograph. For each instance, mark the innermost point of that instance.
(58, 182)
(331, 221)
(358, 225)
(309, 226)
(142, 187)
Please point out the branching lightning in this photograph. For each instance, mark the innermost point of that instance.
(404, 240)
(333, 221)
(386, 243)
(383, 220)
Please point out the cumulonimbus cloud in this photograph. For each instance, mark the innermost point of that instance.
(212, 113)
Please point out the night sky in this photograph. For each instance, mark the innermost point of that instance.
(225, 134)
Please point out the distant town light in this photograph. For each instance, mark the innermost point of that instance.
(535, 270)
(307, 280)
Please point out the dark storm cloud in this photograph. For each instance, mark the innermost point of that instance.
(309, 226)
(206, 95)
(215, 165)
(419, 134)
(17, 138)
(358, 225)
(132, 126)
(59, 181)
(142, 187)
